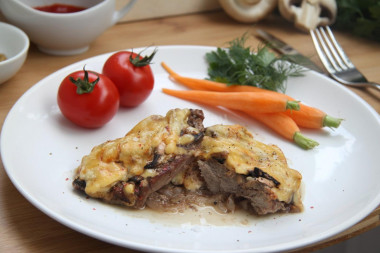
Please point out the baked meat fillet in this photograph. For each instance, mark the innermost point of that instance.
(127, 170)
(233, 162)
(172, 163)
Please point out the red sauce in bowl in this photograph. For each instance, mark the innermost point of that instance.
(60, 8)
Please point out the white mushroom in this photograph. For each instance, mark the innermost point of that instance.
(248, 11)
(308, 14)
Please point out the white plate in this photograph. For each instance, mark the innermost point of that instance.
(40, 150)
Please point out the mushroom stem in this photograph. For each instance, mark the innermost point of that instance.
(309, 14)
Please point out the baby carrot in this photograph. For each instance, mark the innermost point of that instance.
(285, 126)
(311, 117)
(203, 84)
(168, 69)
(306, 116)
(247, 101)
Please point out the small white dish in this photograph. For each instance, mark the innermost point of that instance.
(63, 33)
(14, 44)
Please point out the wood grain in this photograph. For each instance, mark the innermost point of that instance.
(26, 229)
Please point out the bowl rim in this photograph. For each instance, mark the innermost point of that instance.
(61, 15)
(26, 41)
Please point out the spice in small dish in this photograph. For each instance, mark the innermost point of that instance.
(2, 57)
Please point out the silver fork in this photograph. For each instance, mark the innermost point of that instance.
(336, 61)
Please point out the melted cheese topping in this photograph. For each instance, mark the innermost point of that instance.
(123, 158)
(245, 153)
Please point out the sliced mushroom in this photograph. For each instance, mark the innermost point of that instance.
(308, 14)
(248, 11)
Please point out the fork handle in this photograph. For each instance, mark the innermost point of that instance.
(373, 85)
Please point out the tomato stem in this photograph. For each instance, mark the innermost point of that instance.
(84, 85)
(146, 60)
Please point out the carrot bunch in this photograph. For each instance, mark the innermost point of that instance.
(280, 112)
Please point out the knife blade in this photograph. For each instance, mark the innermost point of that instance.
(291, 54)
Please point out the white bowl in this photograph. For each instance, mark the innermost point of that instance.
(14, 44)
(63, 34)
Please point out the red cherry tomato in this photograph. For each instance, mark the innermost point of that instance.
(132, 76)
(88, 99)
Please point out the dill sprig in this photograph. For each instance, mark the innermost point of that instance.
(240, 65)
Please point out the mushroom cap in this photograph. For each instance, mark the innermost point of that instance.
(248, 11)
(308, 14)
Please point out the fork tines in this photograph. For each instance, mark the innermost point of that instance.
(330, 52)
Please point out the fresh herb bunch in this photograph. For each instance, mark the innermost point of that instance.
(360, 17)
(239, 65)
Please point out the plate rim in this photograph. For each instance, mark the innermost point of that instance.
(131, 244)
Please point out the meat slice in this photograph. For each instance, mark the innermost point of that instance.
(129, 169)
(234, 163)
(174, 198)
(257, 191)
(143, 187)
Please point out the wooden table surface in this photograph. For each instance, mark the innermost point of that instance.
(24, 228)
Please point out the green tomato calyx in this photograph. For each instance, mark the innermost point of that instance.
(144, 61)
(84, 85)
